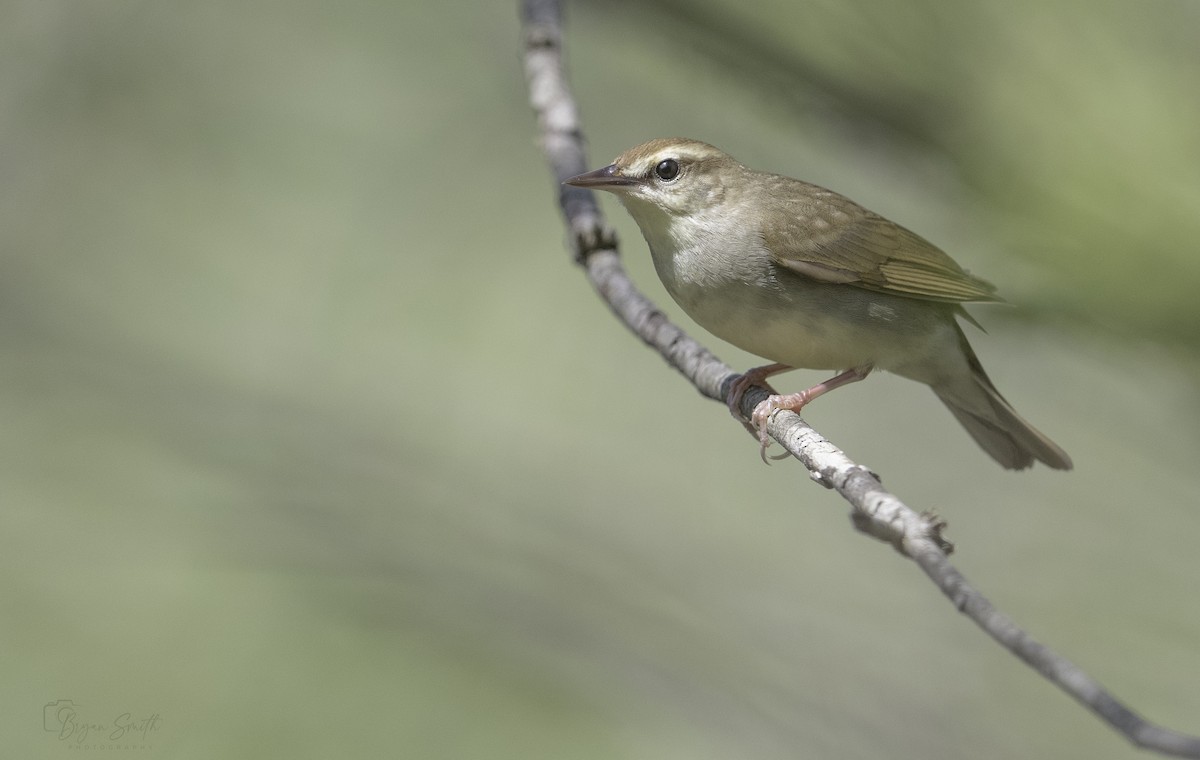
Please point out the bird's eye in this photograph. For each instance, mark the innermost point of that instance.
(667, 170)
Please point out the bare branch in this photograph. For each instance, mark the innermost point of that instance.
(874, 510)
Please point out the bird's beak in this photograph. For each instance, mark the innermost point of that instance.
(602, 179)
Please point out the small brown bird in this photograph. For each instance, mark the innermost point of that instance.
(805, 277)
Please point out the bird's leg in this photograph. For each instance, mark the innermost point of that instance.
(794, 402)
(755, 376)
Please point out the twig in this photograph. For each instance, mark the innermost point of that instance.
(875, 510)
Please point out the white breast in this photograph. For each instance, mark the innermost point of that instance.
(723, 277)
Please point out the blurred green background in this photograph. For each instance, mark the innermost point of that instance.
(315, 443)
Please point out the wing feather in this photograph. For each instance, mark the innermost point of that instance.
(828, 237)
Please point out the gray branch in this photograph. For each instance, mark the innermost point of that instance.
(875, 511)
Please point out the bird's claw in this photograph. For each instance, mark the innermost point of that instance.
(762, 415)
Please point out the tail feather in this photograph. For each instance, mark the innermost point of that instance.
(993, 423)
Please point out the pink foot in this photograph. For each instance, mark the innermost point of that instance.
(794, 402)
(751, 377)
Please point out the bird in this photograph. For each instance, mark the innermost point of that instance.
(806, 278)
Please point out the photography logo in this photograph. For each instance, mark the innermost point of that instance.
(69, 722)
(59, 715)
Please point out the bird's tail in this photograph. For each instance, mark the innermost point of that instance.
(992, 421)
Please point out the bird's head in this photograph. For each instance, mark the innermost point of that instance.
(674, 176)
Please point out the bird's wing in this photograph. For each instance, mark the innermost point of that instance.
(830, 238)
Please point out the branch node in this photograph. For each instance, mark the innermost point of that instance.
(541, 37)
(934, 527)
(589, 235)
